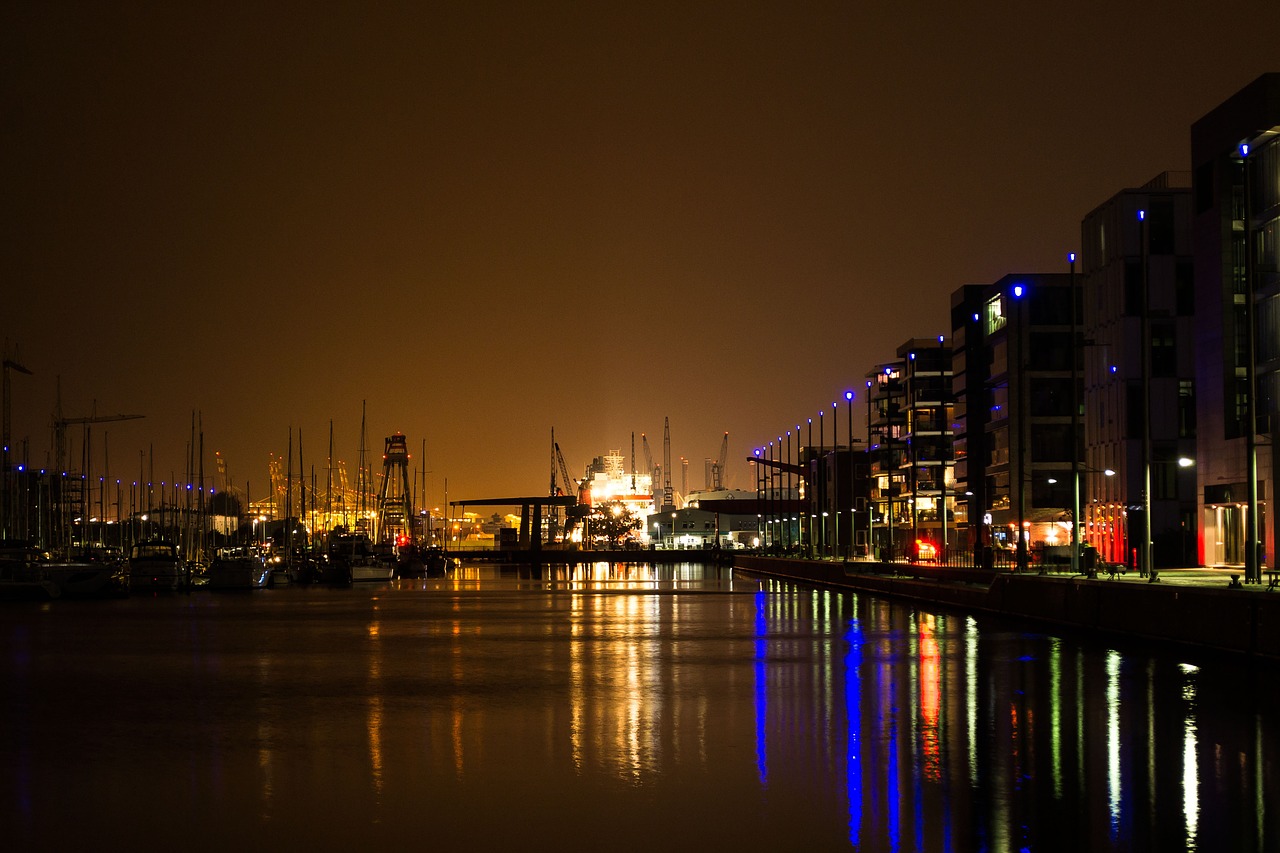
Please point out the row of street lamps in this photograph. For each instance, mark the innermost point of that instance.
(776, 526)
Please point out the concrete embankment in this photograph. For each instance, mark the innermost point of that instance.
(1244, 621)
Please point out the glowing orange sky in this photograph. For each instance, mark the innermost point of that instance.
(496, 219)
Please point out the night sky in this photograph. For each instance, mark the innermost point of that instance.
(489, 220)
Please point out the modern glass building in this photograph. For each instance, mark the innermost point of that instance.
(1235, 158)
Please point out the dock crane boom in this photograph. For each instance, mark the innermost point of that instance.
(667, 501)
(61, 423)
(717, 471)
(567, 486)
(649, 467)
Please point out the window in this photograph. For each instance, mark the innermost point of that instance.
(1050, 351)
(1164, 473)
(1186, 408)
(1051, 306)
(1051, 398)
(996, 318)
(1051, 442)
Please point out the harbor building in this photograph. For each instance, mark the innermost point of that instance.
(1139, 417)
(909, 455)
(1014, 424)
(1235, 159)
(886, 460)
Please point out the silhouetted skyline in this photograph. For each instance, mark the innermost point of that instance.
(491, 221)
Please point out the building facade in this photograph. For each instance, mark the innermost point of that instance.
(1235, 158)
(1139, 414)
(1015, 421)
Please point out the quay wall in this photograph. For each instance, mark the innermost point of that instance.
(1240, 621)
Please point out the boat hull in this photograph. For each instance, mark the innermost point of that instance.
(372, 572)
(246, 573)
(79, 580)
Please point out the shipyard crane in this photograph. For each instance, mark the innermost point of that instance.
(667, 501)
(568, 486)
(717, 468)
(653, 470)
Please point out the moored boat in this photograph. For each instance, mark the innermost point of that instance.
(80, 578)
(351, 558)
(156, 565)
(20, 576)
(243, 572)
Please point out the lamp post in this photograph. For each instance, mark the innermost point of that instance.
(1020, 367)
(853, 527)
(1075, 420)
(944, 424)
(835, 479)
(786, 516)
(1144, 547)
(801, 484)
(1252, 563)
(822, 444)
(759, 495)
(808, 492)
(771, 535)
(871, 507)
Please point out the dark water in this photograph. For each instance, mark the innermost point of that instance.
(632, 708)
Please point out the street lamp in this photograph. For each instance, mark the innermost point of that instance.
(1075, 421)
(944, 424)
(871, 507)
(822, 444)
(787, 534)
(1020, 367)
(808, 492)
(835, 478)
(853, 527)
(1252, 561)
(1144, 547)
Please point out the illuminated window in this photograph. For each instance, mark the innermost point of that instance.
(996, 318)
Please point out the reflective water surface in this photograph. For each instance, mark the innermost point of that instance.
(624, 707)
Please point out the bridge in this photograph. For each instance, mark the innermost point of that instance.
(530, 537)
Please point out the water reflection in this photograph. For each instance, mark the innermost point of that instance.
(959, 739)
(615, 706)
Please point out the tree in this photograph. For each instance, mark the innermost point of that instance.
(611, 522)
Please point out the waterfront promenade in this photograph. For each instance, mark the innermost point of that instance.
(1193, 607)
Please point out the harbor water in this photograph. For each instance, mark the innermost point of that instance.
(619, 707)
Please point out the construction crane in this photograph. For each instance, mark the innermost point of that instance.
(6, 505)
(9, 364)
(61, 423)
